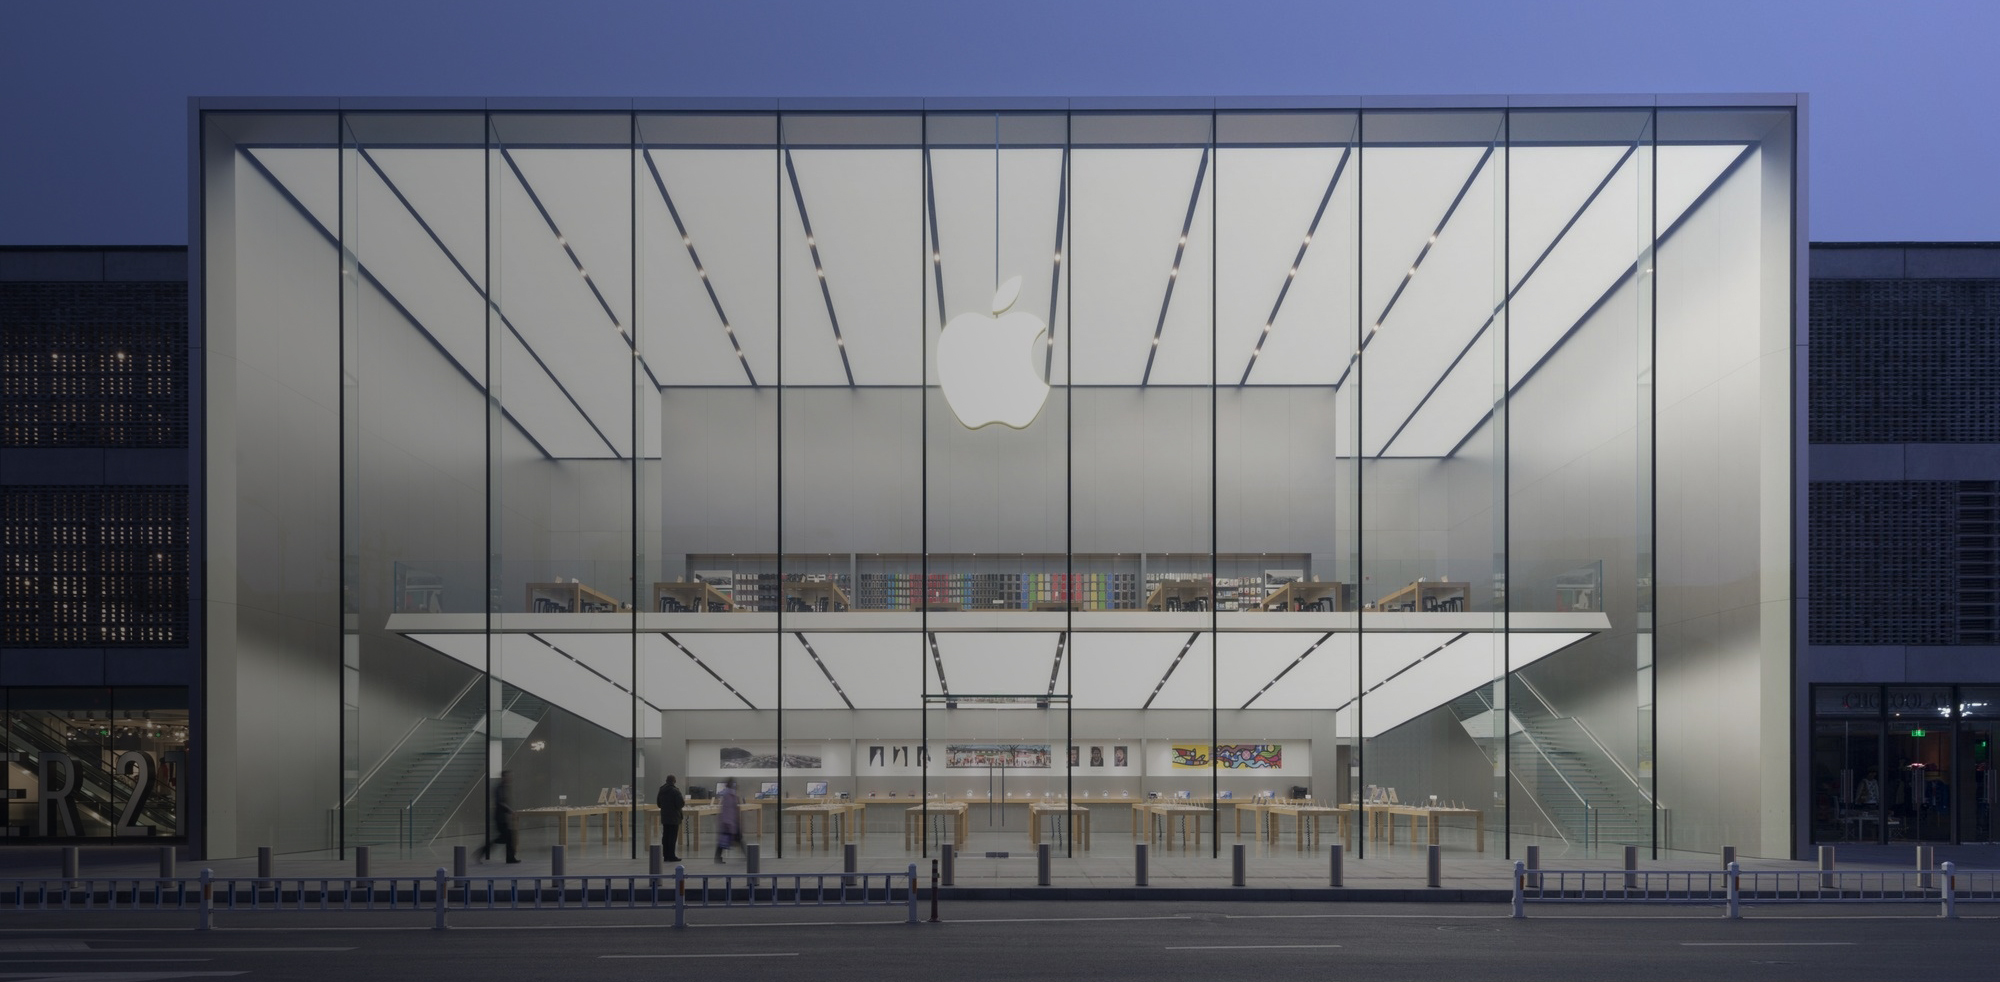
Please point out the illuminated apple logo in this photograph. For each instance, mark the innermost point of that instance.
(986, 364)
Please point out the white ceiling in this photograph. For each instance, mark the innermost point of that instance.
(419, 228)
(1403, 672)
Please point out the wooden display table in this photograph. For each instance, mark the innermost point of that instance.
(959, 813)
(582, 813)
(569, 598)
(697, 597)
(1306, 819)
(1427, 598)
(1307, 595)
(1077, 817)
(1179, 595)
(815, 595)
(1422, 815)
(1172, 820)
(824, 818)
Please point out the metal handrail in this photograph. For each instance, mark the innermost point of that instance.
(1592, 737)
(1585, 802)
(412, 731)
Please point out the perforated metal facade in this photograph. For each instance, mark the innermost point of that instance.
(93, 364)
(94, 566)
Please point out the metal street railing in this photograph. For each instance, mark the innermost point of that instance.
(439, 894)
(1946, 886)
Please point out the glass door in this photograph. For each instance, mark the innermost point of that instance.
(1847, 781)
(998, 776)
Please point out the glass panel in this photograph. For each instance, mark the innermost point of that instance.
(1918, 786)
(567, 383)
(1143, 256)
(1973, 790)
(413, 471)
(1288, 189)
(1847, 783)
(706, 191)
(1579, 463)
(1430, 439)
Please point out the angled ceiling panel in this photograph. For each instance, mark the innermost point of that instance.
(311, 176)
(877, 671)
(867, 219)
(609, 655)
(669, 679)
(1247, 662)
(588, 193)
(996, 664)
(448, 188)
(1117, 671)
(1127, 208)
(728, 200)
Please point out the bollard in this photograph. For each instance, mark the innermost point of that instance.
(1138, 864)
(656, 859)
(752, 858)
(437, 899)
(360, 862)
(1826, 861)
(1534, 864)
(1631, 863)
(1520, 889)
(949, 853)
(1926, 861)
(556, 858)
(934, 886)
(911, 898)
(263, 862)
(680, 896)
(1434, 866)
(458, 860)
(1042, 864)
(1236, 864)
(1335, 876)
(1728, 856)
(206, 919)
(1950, 891)
(1733, 881)
(72, 862)
(166, 862)
(851, 861)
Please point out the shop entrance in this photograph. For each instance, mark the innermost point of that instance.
(1001, 760)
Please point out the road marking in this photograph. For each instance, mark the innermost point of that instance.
(1240, 947)
(740, 954)
(123, 950)
(1764, 944)
(1413, 917)
(1047, 920)
(98, 961)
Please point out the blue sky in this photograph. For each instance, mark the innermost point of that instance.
(93, 93)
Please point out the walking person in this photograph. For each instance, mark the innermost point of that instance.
(503, 819)
(671, 805)
(728, 819)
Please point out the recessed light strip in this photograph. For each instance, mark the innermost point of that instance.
(704, 667)
(937, 661)
(1311, 230)
(1055, 275)
(1174, 274)
(812, 243)
(937, 249)
(580, 663)
(1170, 670)
(699, 269)
(1055, 672)
(823, 670)
(1287, 669)
(1454, 640)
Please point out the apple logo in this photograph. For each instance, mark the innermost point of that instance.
(986, 365)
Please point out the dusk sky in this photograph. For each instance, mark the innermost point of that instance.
(1902, 137)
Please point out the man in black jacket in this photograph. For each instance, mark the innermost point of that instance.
(671, 803)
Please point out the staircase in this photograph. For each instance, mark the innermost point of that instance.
(1573, 781)
(439, 765)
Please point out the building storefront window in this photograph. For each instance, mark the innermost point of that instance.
(96, 763)
(1902, 763)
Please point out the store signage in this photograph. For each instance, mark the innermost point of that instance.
(60, 779)
(986, 365)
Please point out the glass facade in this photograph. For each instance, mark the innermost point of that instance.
(942, 461)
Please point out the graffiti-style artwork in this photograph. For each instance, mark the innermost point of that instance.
(1257, 755)
(997, 755)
